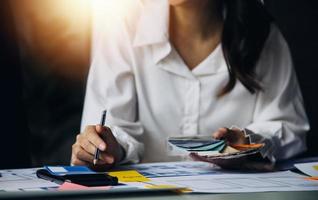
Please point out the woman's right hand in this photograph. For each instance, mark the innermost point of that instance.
(101, 137)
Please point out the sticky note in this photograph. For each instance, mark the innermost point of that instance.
(57, 169)
(315, 167)
(129, 176)
(62, 170)
(172, 187)
(72, 186)
(160, 186)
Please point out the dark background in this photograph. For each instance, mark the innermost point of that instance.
(45, 47)
(298, 21)
(14, 132)
(42, 96)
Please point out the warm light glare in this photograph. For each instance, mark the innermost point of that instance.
(55, 34)
(71, 9)
(81, 10)
(112, 8)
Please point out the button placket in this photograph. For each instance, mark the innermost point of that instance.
(192, 104)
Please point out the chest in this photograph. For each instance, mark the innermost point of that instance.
(194, 50)
(170, 94)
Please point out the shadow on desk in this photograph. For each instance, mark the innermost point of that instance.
(310, 195)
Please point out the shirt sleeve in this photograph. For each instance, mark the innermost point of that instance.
(111, 85)
(280, 119)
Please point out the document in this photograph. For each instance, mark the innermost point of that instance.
(197, 177)
(243, 183)
(167, 169)
(310, 169)
(24, 180)
(210, 150)
(203, 177)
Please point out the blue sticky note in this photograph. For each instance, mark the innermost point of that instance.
(67, 170)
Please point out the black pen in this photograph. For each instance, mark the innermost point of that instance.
(102, 122)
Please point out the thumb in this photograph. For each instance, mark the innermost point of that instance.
(100, 129)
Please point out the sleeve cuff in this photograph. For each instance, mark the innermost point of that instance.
(133, 150)
(268, 149)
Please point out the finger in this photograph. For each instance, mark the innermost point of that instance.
(76, 161)
(81, 154)
(94, 138)
(86, 144)
(220, 133)
(99, 128)
(107, 158)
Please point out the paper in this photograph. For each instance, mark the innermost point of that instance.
(129, 176)
(243, 183)
(204, 177)
(24, 180)
(196, 176)
(310, 169)
(184, 145)
(206, 149)
(167, 169)
(72, 186)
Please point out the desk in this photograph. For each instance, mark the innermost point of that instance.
(312, 195)
(72, 195)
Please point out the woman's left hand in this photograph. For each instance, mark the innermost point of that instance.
(233, 136)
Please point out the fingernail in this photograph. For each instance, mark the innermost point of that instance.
(102, 147)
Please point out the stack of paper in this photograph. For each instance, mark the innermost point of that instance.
(208, 148)
(196, 144)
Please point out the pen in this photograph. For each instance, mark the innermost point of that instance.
(102, 122)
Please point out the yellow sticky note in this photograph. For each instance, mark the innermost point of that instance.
(129, 176)
(172, 187)
(316, 167)
(161, 187)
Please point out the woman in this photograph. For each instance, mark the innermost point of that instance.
(190, 67)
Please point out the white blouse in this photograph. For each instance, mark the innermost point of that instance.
(150, 93)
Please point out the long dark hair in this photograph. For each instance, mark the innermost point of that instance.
(246, 27)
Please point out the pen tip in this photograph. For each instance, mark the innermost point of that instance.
(94, 161)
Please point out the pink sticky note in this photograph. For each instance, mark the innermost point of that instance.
(72, 186)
